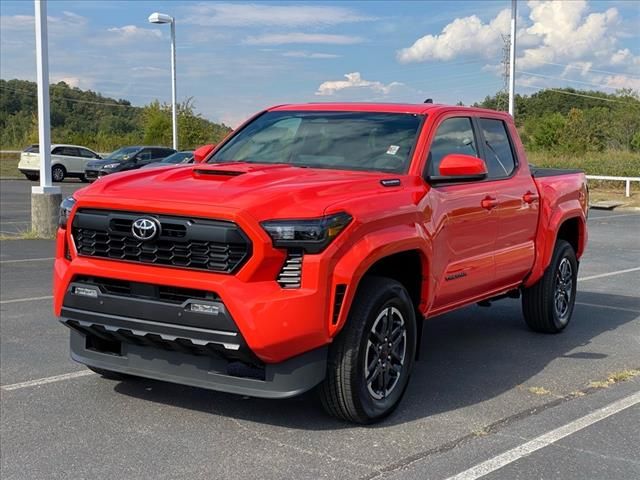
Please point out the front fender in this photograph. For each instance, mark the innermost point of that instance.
(372, 247)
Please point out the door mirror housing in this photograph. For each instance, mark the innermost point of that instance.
(202, 152)
(457, 167)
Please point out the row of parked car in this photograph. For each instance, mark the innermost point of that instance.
(75, 161)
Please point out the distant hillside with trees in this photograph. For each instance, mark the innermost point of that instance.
(102, 123)
(576, 121)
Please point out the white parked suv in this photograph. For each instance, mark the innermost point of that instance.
(66, 161)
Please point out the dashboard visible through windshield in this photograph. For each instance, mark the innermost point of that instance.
(367, 141)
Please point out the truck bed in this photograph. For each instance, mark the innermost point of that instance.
(538, 172)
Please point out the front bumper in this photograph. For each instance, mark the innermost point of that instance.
(282, 380)
(155, 333)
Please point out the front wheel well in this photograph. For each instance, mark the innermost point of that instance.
(404, 267)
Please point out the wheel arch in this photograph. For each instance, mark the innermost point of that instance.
(570, 227)
(406, 261)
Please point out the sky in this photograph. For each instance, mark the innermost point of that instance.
(236, 58)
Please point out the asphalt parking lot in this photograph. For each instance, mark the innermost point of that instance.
(488, 398)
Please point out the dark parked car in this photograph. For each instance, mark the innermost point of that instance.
(126, 158)
(184, 156)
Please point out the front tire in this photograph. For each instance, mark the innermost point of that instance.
(371, 359)
(58, 173)
(32, 176)
(548, 305)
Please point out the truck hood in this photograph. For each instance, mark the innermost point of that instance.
(263, 191)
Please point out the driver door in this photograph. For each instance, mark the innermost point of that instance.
(462, 225)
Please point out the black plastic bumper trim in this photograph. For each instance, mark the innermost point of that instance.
(282, 380)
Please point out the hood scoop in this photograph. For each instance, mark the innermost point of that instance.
(216, 173)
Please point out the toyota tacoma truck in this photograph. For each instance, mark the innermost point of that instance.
(309, 247)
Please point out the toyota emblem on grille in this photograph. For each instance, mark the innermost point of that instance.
(145, 228)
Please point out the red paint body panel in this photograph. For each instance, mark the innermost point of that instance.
(469, 250)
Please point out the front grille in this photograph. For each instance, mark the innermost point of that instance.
(194, 243)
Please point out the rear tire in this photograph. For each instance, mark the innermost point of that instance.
(58, 173)
(548, 305)
(32, 176)
(83, 179)
(109, 374)
(371, 359)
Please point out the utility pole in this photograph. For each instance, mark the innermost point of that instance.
(502, 100)
(512, 58)
(46, 198)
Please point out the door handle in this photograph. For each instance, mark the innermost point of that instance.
(530, 197)
(489, 203)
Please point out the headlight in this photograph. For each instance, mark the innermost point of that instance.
(109, 166)
(65, 210)
(313, 235)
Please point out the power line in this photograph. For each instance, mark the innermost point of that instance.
(25, 92)
(564, 92)
(567, 80)
(567, 65)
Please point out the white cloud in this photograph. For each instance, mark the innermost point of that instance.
(562, 32)
(253, 14)
(354, 80)
(64, 24)
(568, 34)
(129, 34)
(299, 37)
(463, 36)
(314, 55)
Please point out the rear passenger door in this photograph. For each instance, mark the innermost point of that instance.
(517, 208)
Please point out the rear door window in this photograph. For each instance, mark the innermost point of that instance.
(66, 151)
(498, 149)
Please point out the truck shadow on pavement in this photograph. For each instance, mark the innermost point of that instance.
(466, 357)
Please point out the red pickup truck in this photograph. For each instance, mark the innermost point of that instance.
(308, 247)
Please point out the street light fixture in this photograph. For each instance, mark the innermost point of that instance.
(160, 18)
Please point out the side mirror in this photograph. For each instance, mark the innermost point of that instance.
(202, 152)
(457, 167)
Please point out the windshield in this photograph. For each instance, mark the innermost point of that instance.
(124, 153)
(341, 140)
(178, 157)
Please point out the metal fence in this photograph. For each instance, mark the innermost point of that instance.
(627, 181)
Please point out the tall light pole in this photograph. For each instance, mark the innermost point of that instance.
(45, 198)
(164, 18)
(512, 59)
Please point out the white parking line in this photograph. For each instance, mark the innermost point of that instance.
(44, 381)
(602, 275)
(28, 299)
(22, 260)
(546, 439)
(609, 307)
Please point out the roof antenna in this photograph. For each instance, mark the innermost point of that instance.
(429, 100)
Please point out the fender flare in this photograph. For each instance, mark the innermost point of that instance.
(547, 237)
(363, 254)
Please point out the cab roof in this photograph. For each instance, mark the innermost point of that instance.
(415, 108)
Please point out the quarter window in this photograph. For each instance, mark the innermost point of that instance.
(454, 135)
(500, 160)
